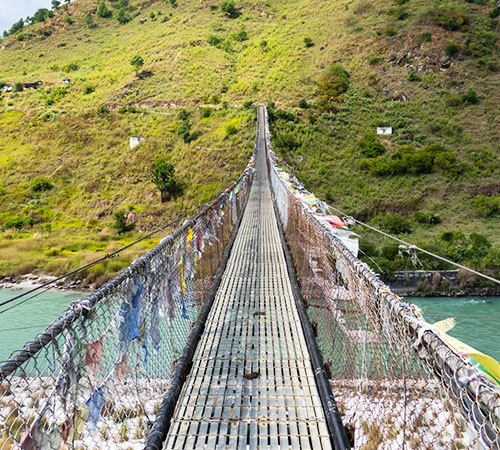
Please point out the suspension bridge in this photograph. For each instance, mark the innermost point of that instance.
(252, 326)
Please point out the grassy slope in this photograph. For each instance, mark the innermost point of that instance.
(87, 156)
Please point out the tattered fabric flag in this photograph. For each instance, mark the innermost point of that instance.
(130, 316)
(92, 357)
(168, 302)
(199, 242)
(95, 403)
(184, 313)
(68, 374)
(122, 368)
(145, 351)
(154, 328)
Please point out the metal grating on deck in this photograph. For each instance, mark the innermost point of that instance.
(251, 385)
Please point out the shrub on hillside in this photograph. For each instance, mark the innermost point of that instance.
(308, 42)
(88, 21)
(40, 184)
(163, 176)
(393, 223)
(71, 67)
(122, 16)
(231, 130)
(332, 85)
(451, 49)
(121, 224)
(19, 223)
(240, 36)
(426, 218)
(102, 11)
(450, 18)
(229, 9)
(412, 76)
(487, 206)
(370, 146)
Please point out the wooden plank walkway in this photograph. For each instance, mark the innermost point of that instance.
(251, 385)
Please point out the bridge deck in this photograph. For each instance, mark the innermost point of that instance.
(251, 385)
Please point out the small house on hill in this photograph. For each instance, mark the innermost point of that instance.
(66, 80)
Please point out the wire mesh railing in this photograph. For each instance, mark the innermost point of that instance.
(96, 376)
(396, 381)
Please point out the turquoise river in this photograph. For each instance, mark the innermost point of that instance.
(477, 319)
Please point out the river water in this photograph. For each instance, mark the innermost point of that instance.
(477, 319)
(21, 323)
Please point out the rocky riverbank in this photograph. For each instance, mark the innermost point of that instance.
(441, 283)
(31, 281)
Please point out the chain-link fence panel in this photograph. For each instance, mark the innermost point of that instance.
(397, 383)
(96, 377)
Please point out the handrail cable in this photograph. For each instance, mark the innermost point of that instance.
(412, 246)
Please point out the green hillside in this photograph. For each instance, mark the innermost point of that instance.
(333, 71)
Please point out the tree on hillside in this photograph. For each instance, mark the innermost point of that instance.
(229, 9)
(163, 176)
(137, 62)
(42, 14)
(102, 11)
(18, 26)
(56, 4)
(332, 84)
(89, 21)
(122, 16)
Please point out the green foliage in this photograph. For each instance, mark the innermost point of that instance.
(308, 42)
(375, 61)
(487, 206)
(69, 20)
(184, 130)
(19, 223)
(412, 76)
(71, 67)
(231, 130)
(451, 49)
(470, 97)
(394, 224)
(408, 160)
(122, 16)
(303, 104)
(88, 21)
(89, 90)
(370, 146)
(102, 11)
(331, 86)
(102, 110)
(55, 94)
(426, 218)
(137, 62)
(183, 114)
(391, 31)
(450, 18)
(240, 36)
(205, 112)
(247, 104)
(229, 9)
(42, 15)
(214, 40)
(18, 87)
(121, 224)
(163, 176)
(17, 26)
(425, 37)
(40, 184)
